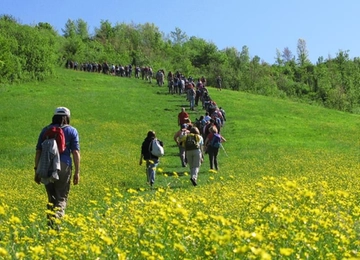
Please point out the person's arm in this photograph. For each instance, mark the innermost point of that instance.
(76, 159)
(176, 137)
(37, 179)
(223, 139)
(141, 159)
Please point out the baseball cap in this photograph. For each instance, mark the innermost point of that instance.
(62, 111)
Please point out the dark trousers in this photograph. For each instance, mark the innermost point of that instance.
(213, 153)
(57, 193)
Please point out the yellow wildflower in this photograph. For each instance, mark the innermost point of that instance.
(286, 251)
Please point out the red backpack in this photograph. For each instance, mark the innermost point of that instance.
(57, 133)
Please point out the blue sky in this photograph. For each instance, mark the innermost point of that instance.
(262, 25)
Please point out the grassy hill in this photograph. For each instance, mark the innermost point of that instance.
(287, 184)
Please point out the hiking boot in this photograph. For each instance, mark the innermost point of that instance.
(193, 181)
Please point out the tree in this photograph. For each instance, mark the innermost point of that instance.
(278, 58)
(81, 29)
(105, 33)
(287, 55)
(178, 36)
(303, 54)
(70, 29)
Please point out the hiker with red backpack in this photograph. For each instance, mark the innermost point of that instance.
(212, 144)
(56, 144)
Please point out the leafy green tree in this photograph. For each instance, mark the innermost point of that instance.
(70, 29)
(82, 30)
(178, 36)
(303, 54)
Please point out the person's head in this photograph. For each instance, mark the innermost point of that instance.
(183, 126)
(183, 109)
(61, 116)
(194, 130)
(151, 134)
(213, 130)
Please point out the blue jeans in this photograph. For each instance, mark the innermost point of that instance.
(192, 102)
(151, 170)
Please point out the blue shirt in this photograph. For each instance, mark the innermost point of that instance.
(71, 140)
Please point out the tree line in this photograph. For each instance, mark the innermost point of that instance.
(33, 52)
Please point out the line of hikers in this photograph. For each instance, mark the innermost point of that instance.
(194, 140)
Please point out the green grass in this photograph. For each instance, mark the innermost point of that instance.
(114, 114)
(266, 138)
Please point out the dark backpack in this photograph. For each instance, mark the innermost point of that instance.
(57, 133)
(191, 143)
(216, 141)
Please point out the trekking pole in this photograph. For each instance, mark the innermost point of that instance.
(224, 150)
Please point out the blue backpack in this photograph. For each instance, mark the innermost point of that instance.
(216, 141)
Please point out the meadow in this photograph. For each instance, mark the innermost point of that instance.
(287, 185)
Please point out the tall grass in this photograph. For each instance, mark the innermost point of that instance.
(287, 185)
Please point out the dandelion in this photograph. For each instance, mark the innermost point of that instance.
(131, 191)
(286, 251)
(14, 220)
(37, 250)
(265, 256)
(3, 252)
(290, 184)
(241, 249)
(145, 254)
(107, 240)
(2, 210)
(33, 217)
(179, 247)
(161, 246)
(95, 249)
(19, 255)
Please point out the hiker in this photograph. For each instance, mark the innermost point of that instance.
(223, 115)
(151, 160)
(58, 189)
(178, 135)
(193, 143)
(182, 116)
(191, 96)
(212, 144)
(218, 82)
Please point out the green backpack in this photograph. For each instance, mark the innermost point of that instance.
(191, 143)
